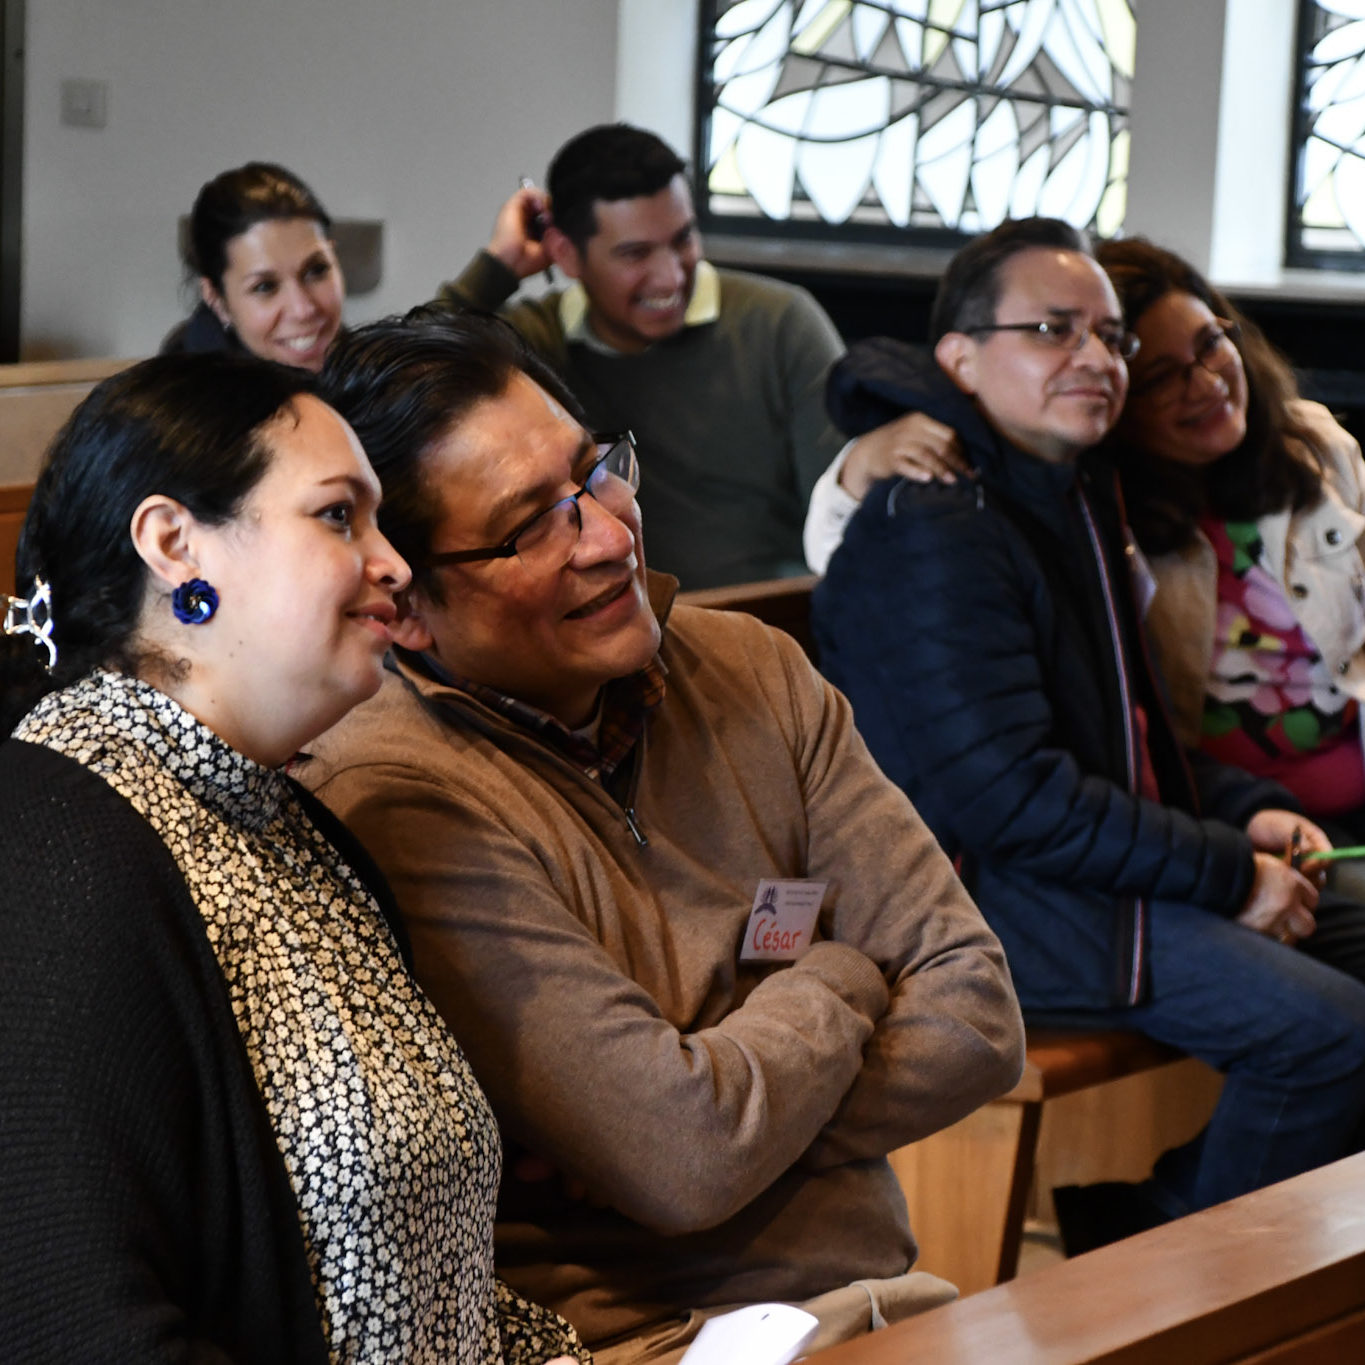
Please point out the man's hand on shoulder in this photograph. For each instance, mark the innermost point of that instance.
(914, 446)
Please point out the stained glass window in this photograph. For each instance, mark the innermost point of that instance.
(1327, 213)
(868, 118)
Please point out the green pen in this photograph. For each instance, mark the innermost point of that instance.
(1333, 855)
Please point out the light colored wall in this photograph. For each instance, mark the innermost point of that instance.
(1254, 130)
(424, 112)
(1174, 119)
(1212, 123)
(419, 112)
(656, 68)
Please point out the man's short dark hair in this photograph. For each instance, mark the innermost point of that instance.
(970, 288)
(403, 384)
(609, 162)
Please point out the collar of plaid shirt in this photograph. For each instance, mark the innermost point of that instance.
(625, 704)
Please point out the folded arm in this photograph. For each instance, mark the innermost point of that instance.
(677, 1127)
(951, 1038)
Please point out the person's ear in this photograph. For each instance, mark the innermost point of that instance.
(164, 534)
(214, 300)
(563, 252)
(956, 353)
(411, 631)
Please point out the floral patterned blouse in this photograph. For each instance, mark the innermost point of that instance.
(391, 1149)
(1272, 705)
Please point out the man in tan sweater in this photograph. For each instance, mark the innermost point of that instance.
(705, 959)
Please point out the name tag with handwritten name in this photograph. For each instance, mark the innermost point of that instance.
(782, 922)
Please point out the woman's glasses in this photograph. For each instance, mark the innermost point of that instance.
(1168, 381)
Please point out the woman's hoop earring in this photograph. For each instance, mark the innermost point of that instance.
(194, 602)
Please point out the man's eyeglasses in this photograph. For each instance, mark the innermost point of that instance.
(548, 539)
(1066, 335)
(1169, 382)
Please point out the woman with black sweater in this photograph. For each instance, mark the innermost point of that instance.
(233, 1129)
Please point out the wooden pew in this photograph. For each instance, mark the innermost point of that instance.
(780, 602)
(13, 504)
(1275, 1276)
(35, 399)
(967, 1188)
(1115, 1100)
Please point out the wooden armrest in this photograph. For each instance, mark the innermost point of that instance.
(1060, 1061)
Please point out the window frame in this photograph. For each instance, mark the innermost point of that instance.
(814, 230)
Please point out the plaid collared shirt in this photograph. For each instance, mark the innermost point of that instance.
(625, 704)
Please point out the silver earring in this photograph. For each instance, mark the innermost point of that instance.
(32, 616)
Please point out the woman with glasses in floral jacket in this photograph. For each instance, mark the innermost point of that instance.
(1249, 505)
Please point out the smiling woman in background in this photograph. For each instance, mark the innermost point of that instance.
(234, 1129)
(269, 282)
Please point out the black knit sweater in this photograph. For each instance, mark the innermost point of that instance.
(145, 1212)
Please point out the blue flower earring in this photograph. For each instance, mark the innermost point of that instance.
(194, 602)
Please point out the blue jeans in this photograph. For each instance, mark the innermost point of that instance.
(1285, 1028)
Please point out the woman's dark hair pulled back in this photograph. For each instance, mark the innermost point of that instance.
(234, 202)
(190, 427)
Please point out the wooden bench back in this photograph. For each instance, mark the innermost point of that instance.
(13, 504)
(1277, 1275)
(780, 602)
(35, 399)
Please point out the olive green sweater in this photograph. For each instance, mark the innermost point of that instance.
(729, 416)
